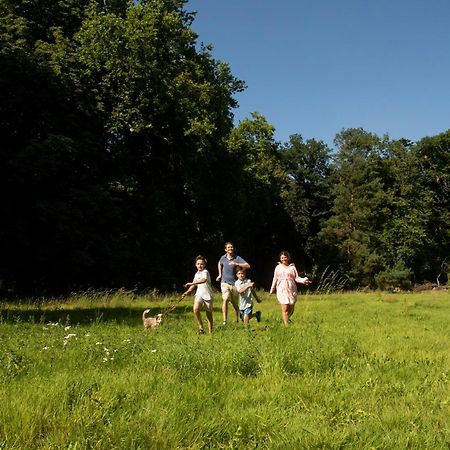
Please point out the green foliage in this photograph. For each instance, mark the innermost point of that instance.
(433, 158)
(253, 143)
(306, 189)
(359, 203)
(404, 240)
(119, 162)
(396, 277)
(383, 210)
(110, 119)
(258, 178)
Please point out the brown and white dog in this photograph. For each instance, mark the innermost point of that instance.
(151, 322)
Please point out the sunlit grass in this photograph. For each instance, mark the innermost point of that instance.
(353, 371)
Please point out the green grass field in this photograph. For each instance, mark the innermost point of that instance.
(354, 370)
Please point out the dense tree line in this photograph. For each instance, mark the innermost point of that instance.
(120, 161)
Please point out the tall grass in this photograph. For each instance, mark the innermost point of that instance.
(328, 281)
(353, 371)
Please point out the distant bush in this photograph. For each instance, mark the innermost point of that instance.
(395, 277)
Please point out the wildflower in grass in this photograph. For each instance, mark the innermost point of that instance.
(87, 335)
(46, 348)
(69, 336)
(67, 328)
(128, 341)
(154, 350)
(98, 343)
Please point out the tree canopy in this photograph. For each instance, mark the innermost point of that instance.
(120, 161)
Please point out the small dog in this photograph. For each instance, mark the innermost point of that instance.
(151, 322)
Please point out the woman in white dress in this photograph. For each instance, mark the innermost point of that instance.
(285, 279)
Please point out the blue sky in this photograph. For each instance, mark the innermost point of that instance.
(315, 67)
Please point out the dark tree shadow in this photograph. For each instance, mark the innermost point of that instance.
(81, 316)
(86, 316)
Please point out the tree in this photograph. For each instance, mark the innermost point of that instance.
(257, 216)
(51, 163)
(358, 210)
(167, 109)
(433, 158)
(404, 238)
(307, 192)
(111, 118)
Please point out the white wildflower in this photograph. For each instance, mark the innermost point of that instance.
(67, 328)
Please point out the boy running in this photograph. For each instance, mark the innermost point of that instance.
(244, 288)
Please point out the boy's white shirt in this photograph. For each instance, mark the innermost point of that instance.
(245, 298)
(204, 289)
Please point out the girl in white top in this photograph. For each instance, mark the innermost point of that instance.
(203, 295)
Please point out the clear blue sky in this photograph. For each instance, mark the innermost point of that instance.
(314, 67)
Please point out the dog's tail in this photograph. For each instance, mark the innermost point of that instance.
(144, 314)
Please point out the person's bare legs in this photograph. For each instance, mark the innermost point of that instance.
(198, 316)
(285, 314)
(235, 301)
(226, 294)
(236, 312)
(229, 294)
(225, 310)
(291, 310)
(209, 318)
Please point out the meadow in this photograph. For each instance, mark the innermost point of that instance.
(353, 370)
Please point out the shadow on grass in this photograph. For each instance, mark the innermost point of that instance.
(82, 316)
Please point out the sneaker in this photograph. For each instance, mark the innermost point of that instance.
(201, 331)
(224, 323)
(258, 316)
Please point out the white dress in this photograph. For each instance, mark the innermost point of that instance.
(285, 279)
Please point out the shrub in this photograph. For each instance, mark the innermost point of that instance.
(394, 277)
